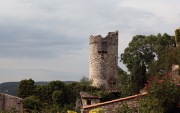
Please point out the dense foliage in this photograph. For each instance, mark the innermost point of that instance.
(57, 96)
(177, 35)
(145, 57)
(149, 57)
(163, 96)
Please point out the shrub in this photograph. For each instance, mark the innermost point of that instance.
(97, 110)
(69, 111)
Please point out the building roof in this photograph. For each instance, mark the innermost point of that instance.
(85, 95)
(116, 100)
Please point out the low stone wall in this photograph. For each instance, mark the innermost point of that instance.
(9, 103)
(111, 106)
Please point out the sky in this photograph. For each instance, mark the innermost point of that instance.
(49, 39)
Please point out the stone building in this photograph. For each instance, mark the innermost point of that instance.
(88, 99)
(113, 105)
(103, 67)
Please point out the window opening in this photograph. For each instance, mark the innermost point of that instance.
(88, 102)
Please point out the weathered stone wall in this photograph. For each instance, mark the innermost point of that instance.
(112, 106)
(175, 74)
(103, 60)
(8, 102)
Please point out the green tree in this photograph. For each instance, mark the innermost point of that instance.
(52, 108)
(140, 50)
(31, 103)
(105, 95)
(145, 57)
(85, 81)
(137, 57)
(177, 35)
(58, 97)
(73, 90)
(45, 92)
(124, 84)
(163, 62)
(56, 85)
(26, 88)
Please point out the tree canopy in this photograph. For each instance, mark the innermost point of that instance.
(149, 57)
(146, 56)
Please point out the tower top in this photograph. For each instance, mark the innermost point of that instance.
(110, 34)
(111, 38)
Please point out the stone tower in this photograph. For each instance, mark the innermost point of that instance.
(103, 67)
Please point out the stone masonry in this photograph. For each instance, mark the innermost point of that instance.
(103, 69)
(9, 103)
(113, 105)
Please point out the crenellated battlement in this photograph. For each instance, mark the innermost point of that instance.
(111, 38)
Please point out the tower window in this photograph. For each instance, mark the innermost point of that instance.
(102, 52)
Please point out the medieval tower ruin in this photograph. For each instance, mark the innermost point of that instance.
(103, 67)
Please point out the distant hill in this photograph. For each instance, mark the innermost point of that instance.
(12, 87)
(9, 88)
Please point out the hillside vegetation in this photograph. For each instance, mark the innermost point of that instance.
(149, 60)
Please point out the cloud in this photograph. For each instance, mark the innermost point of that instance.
(23, 41)
(48, 38)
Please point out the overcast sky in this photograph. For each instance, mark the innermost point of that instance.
(48, 39)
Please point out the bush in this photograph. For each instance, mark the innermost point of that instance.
(164, 92)
(69, 111)
(151, 105)
(97, 110)
(31, 103)
(105, 95)
(124, 108)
